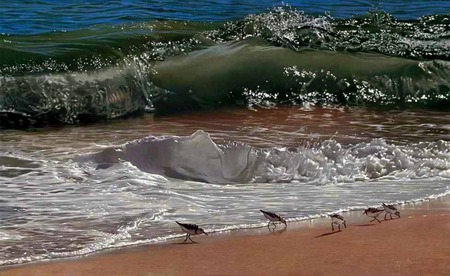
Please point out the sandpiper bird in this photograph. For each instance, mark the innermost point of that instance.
(337, 219)
(272, 217)
(390, 209)
(374, 213)
(191, 229)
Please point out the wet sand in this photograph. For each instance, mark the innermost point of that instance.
(416, 244)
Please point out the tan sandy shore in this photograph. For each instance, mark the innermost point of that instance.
(416, 244)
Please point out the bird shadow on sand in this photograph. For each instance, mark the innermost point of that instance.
(327, 234)
(184, 243)
(386, 220)
(277, 231)
(367, 224)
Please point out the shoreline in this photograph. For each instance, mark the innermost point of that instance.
(169, 258)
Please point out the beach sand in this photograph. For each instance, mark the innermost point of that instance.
(416, 244)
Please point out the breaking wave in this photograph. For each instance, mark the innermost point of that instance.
(279, 57)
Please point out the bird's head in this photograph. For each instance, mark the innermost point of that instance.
(201, 231)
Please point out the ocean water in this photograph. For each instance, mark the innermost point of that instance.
(118, 118)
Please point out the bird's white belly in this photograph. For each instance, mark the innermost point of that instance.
(270, 218)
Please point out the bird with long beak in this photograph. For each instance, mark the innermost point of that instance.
(273, 217)
(191, 229)
(337, 219)
(374, 213)
(390, 209)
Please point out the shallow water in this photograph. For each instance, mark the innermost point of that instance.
(315, 161)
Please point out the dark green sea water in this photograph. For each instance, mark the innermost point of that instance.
(85, 62)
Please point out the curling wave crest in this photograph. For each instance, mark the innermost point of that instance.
(280, 57)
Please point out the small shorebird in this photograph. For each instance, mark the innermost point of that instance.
(374, 213)
(191, 229)
(273, 217)
(390, 209)
(337, 219)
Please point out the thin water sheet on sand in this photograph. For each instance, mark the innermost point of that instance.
(416, 244)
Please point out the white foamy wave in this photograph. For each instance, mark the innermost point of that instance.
(131, 194)
(198, 157)
(8, 236)
(121, 239)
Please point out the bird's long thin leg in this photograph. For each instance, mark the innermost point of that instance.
(190, 238)
(274, 225)
(378, 220)
(187, 235)
(339, 227)
(385, 216)
(332, 227)
(268, 224)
